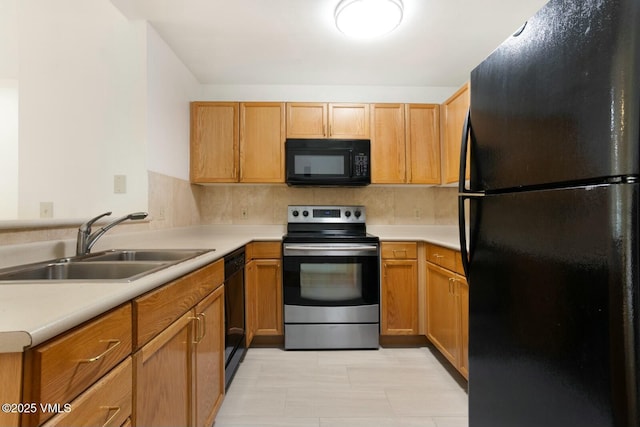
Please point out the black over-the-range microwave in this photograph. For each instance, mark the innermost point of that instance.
(328, 162)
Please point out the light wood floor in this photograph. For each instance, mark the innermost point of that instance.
(389, 387)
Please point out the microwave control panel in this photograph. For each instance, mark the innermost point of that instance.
(360, 164)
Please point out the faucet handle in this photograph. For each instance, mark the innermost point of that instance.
(87, 225)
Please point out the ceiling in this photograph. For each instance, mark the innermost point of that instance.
(281, 42)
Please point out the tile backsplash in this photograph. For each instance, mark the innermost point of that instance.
(266, 204)
(175, 202)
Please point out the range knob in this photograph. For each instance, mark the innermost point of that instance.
(347, 213)
(295, 213)
(305, 213)
(357, 214)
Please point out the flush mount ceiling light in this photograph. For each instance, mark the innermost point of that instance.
(368, 18)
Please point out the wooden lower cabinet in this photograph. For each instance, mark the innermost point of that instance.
(263, 292)
(62, 368)
(179, 374)
(209, 358)
(107, 403)
(162, 376)
(399, 290)
(399, 297)
(463, 303)
(448, 315)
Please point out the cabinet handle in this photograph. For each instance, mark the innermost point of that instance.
(109, 409)
(438, 256)
(401, 251)
(204, 326)
(450, 283)
(104, 353)
(384, 270)
(198, 338)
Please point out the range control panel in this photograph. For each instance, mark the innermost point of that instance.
(320, 214)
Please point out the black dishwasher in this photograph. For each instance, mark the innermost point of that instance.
(234, 338)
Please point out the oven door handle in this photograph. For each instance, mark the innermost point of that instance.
(331, 248)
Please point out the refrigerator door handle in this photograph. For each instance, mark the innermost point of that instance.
(464, 193)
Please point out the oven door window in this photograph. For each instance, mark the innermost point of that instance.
(331, 281)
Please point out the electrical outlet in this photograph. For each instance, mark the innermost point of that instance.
(46, 209)
(119, 184)
(161, 214)
(417, 213)
(245, 213)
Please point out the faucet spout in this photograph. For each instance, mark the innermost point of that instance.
(86, 239)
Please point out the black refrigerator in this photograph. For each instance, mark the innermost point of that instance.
(553, 221)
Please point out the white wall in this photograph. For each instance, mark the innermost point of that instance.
(319, 93)
(171, 87)
(8, 149)
(82, 108)
(8, 39)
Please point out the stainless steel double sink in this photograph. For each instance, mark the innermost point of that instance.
(121, 265)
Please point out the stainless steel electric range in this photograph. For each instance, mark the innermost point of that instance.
(331, 279)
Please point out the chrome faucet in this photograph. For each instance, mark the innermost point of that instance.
(86, 239)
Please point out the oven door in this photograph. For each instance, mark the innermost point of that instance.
(331, 274)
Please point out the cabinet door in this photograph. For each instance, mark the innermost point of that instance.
(60, 369)
(399, 297)
(463, 305)
(162, 377)
(209, 358)
(214, 142)
(107, 403)
(349, 121)
(262, 135)
(423, 143)
(442, 327)
(268, 297)
(306, 120)
(454, 111)
(388, 154)
(250, 300)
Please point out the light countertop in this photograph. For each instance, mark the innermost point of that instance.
(33, 313)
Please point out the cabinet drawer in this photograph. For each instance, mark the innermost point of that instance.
(106, 403)
(444, 257)
(156, 310)
(263, 250)
(399, 250)
(59, 370)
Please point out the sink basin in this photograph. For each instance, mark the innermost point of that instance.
(143, 255)
(90, 271)
(122, 265)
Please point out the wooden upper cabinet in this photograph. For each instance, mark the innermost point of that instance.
(388, 154)
(214, 142)
(309, 120)
(423, 143)
(262, 135)
(306, 120)
(405, 143)
(454, 112)
(349, 121)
